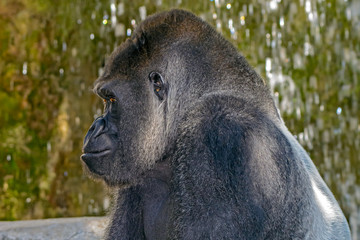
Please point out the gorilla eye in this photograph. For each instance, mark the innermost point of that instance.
(107, 101)
(158, 84)
(110, 99)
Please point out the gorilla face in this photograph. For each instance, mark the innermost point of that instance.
(129, 137)
(149, 84)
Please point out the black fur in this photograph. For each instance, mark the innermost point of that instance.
(203, 153)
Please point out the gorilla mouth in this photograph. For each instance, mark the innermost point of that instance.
(94, 154)
(94, 161)
(90, 157)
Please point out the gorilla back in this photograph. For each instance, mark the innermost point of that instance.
(192, 140)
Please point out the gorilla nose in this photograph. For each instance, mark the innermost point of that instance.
(96, 129)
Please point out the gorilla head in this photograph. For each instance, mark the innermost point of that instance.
(193, 132)
(150, 81)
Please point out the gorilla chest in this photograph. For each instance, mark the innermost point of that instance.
(156, 208)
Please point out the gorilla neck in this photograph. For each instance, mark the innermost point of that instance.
(155, 196)
(161, 171)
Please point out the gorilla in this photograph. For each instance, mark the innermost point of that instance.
(192, 142)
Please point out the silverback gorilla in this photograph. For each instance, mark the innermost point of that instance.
(193, 141)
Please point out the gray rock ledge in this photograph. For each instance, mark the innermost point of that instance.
(56, 228)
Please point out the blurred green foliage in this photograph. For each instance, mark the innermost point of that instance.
(52, 51)
(39, 146)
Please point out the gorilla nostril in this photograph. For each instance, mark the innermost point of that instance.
(97, 128)
(92, 128)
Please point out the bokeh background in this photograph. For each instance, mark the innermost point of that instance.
(51, 52)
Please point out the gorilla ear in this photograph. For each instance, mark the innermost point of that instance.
(158, 84)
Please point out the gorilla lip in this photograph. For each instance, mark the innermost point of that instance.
(87, 155)
(91, 159)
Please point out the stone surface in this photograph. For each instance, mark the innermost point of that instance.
(89, 228)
